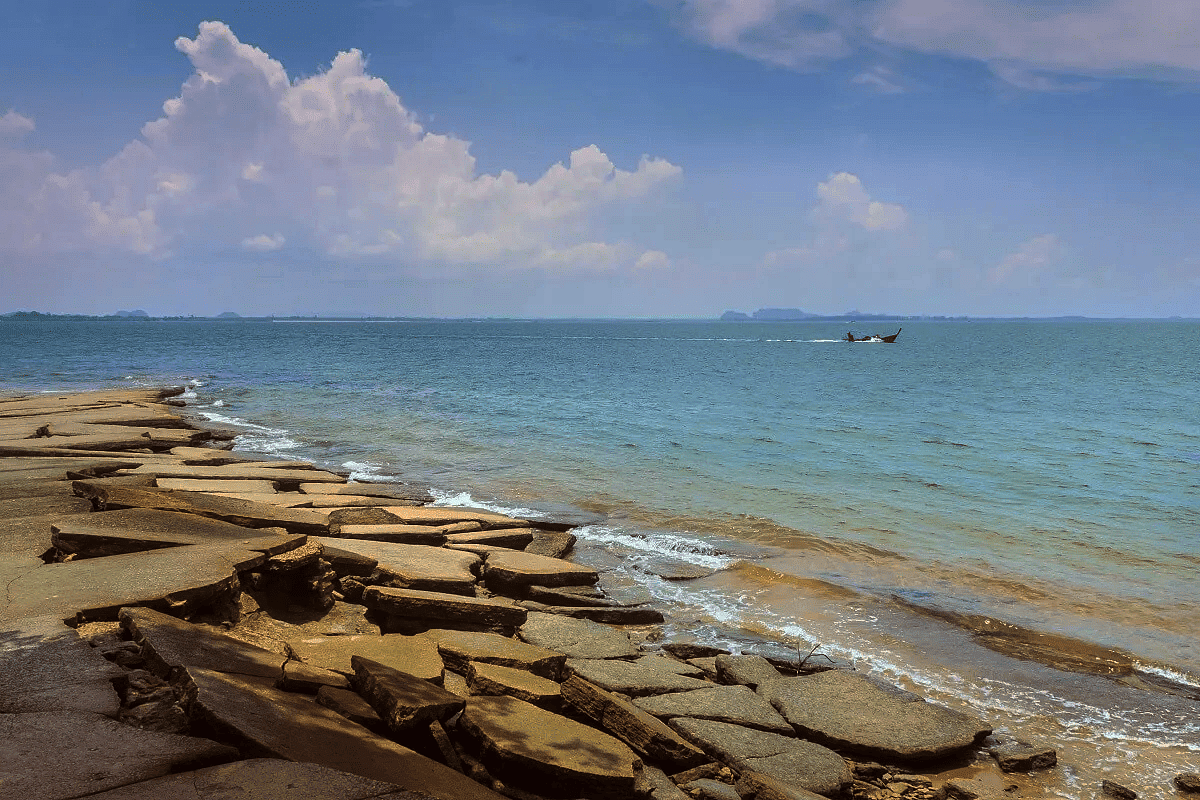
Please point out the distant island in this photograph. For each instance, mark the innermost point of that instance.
(796, 314)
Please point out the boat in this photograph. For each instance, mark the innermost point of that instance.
(875, 338)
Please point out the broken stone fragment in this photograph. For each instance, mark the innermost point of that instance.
(576, 638)
(405, 702)
(408, 611)
(736, 705)
(45, 666)
(1021, 757)
(763, 787)
(492, 679)
(631, 679)
(546, 753)
(552, 544)
(408, 566)
(458, 648)
(748, 670)
(351, 706)
(609, 615)
(416, 655)
(646, 734)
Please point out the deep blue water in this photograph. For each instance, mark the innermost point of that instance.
(1042, 472)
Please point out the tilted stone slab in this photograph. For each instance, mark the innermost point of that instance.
(178, 578)
(634, 680)
(247, 513)
(458, 648)
(414, 610)
(171, 646)
(789, 760)
(235, 485)
(346, 563)
(764, 787)
(849, 712)
(410, 566)
(492, 679)
(350, 705)
(507, 569)
(405, 702)
(747, 670)
(646, 734)
(609, 614)
(55, 755)
(138, 529)
(513, 538)
(45, 666)
(400, 534)
(416, 655)
(576, 638)
(554, 544)
(265, 722)
(446, 516)
(261, 779)
(733, 704)
(547, 753)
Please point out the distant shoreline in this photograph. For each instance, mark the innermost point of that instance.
(37, 316)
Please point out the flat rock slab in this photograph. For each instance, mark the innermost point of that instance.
(416, 655)
(792, 761)
(263, 721)
(369, 490)
(247, 513)
(405, 702)
(398, 533)
(747, 670)
(262, 471)
(647, 735)
(544, 752)
(170, 645)
(554, 544)
(634, 680)
(492, 679)
(764, 787)
(418, 611)
(354, 501)
(45, 666)
(138, 529)
(180, 578)
(576, 638)
(737, 705)
(670, 665)
(507, 569)
(261, 779)
(459, 648)
(412, 566)
(445, 516)
(848, 712)
(513, 538)
(607, 614)
(236, 485)
(54, 755)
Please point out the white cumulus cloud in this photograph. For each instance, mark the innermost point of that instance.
(333, 159)
(1032, 265)
(843, 197)
(15, 125)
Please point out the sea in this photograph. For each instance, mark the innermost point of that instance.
(1001, 515)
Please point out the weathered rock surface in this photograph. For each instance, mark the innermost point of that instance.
(54, 755)
(631, 679)
(458, 648)
(247, 513)
(45, 666)
(492, 679)
(553, 544)
(416, 655)
(511, 570)
(235, 485)
(737, 705)
(747, 670)
(514, 538)
(670, 665)
(179, 578)
(410, 566)
(756, 786)
(661, 787)
(134, 530)
(1021, 757)
(791, 761)
(405, 702)
(398, 533)
(608, 614)
(409, 611)
(351, 706)
(576, 638)
(646, 734)
(263, 721)
(850, 713)
(392, 490)
(446, 516)
(262, 779)
(1187, 782)
(547, 753)
(709, 789)
(274, 471)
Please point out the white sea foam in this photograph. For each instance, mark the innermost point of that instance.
(671, 545)
(1173, 675)
(259, 438)
(218, 403)
(465, 500)
(367, 472)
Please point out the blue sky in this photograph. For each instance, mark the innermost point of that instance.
(625, 158)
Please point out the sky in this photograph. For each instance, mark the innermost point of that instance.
(628, 158)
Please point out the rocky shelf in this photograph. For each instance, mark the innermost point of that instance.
(180, 621)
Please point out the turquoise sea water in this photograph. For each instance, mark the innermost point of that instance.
(1045, 474)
